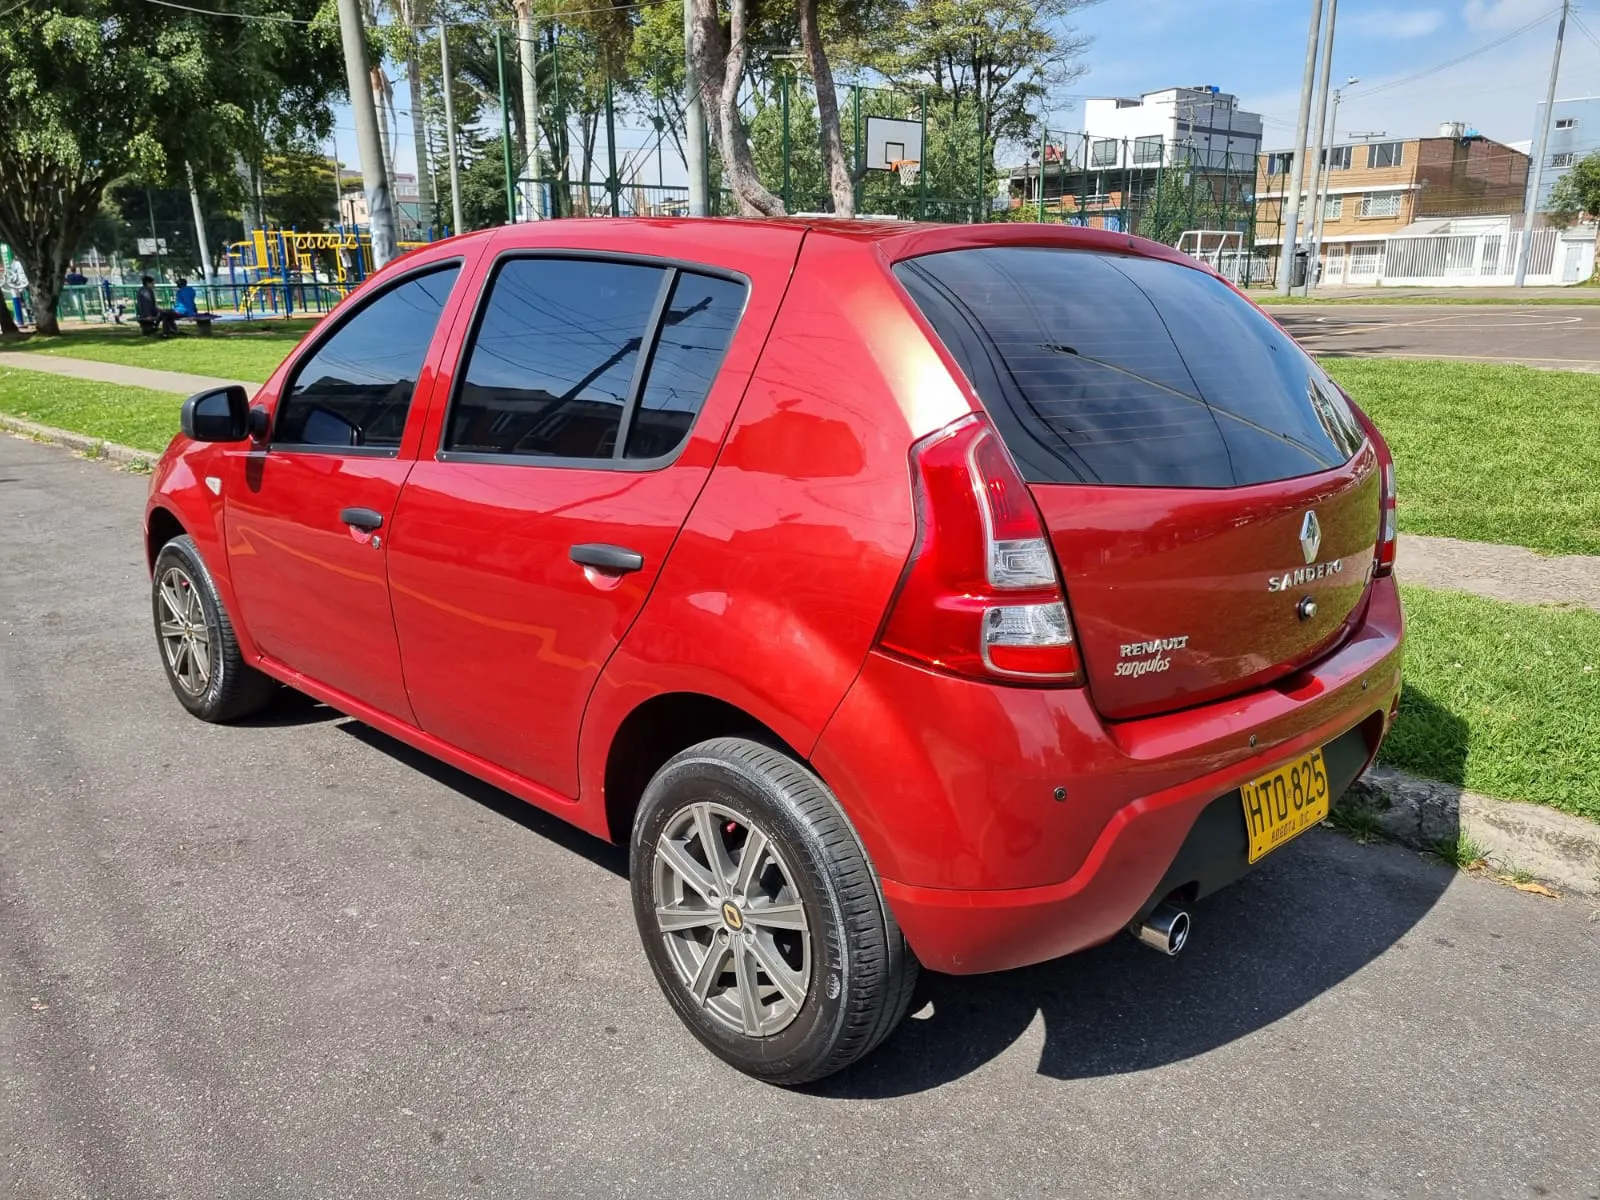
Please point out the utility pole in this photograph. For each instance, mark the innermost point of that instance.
(528, 56)
(456, 224)
(1525, 242)
(694, 142)
(200, 231)
(338, 182)
(374, 175)
(1291, 201)
(1315, 167)
(1320, 213)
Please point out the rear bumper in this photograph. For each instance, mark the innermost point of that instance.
(952, 785)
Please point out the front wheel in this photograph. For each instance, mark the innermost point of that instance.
(761, 917)
(198, 648)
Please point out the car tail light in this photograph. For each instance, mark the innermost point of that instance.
(980, 596)
(1388, 539)
(1383, 558)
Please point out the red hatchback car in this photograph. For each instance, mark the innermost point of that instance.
(953, 597)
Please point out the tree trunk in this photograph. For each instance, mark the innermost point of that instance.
(719, 66)
(840, 180)
(43, 225)
(419, 123)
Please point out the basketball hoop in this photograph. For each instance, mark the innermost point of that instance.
(908, 168)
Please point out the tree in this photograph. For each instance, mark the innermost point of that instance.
(720, 51)
(841, 181)
(1577, 193)
(91, 90)
(1003, 57)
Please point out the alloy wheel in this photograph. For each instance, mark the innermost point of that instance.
(185, 636)
(732, 919)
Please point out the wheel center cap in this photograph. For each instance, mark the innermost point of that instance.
(731, 916)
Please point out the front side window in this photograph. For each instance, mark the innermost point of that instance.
(1104, 153)
(586, 360)
(1147, 150)
(355, 390)
(1338, 158)
(1564, 159)
(1333, 208)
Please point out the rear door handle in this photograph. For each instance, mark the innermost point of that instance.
(361, 518)
(606, 558)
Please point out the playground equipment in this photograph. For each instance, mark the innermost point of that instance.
(285, 270)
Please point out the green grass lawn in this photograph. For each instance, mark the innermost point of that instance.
(247, 352)
(1502, 699)
(1490, 453)
(134, 417)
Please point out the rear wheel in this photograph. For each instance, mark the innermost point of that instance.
(198, 648)
(761, 916)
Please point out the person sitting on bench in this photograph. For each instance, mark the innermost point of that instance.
(147, 312)
(183, 304)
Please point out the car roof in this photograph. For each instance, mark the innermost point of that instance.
(892, 240)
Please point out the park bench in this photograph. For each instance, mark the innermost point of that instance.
(202, 322)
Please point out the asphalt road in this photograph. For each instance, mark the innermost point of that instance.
(294, 959)
(1563, 337)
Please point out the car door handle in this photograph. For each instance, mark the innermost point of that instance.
(361, 518)
(606, 558)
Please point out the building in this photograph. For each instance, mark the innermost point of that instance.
(1380, 188)
(1574, 132)
(412, 215)
(1148, 164)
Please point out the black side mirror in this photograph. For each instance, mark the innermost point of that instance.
(219, 415)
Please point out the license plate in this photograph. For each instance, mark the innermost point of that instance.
(1285, 802)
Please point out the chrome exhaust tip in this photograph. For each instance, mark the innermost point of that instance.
(1166, 929)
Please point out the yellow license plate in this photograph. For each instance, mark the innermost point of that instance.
(1285, 802)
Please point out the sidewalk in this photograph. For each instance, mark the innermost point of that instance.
(1499, 572)
(101, 372)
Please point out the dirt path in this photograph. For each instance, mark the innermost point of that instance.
(1499, 572)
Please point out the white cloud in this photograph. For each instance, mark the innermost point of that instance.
(1503, 14)
(1390, 23)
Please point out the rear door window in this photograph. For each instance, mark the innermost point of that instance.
(1116, 369)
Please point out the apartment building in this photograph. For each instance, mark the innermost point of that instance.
(1117, 167)
(1574, 133)
(1378, 188)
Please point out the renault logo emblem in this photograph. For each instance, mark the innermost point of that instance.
(1310, 537)
(732, 915)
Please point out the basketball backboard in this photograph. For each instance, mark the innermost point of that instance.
(891, 140)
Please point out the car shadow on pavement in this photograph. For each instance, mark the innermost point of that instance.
(290, 708)
(1298, 926)
(535, 820)
(1305, 920)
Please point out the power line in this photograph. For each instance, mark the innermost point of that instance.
(1587, 32)
(1444, 66)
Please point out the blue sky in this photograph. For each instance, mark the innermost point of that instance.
(1256, 49)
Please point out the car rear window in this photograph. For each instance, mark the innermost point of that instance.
(1117, 369)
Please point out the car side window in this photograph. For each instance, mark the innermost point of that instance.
(356, 389)
(584, 360)
(695, 331)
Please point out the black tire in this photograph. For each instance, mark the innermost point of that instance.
(228, 688)
(860, 973)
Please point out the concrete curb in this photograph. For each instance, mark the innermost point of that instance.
(92, 447)
(1557, 847)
